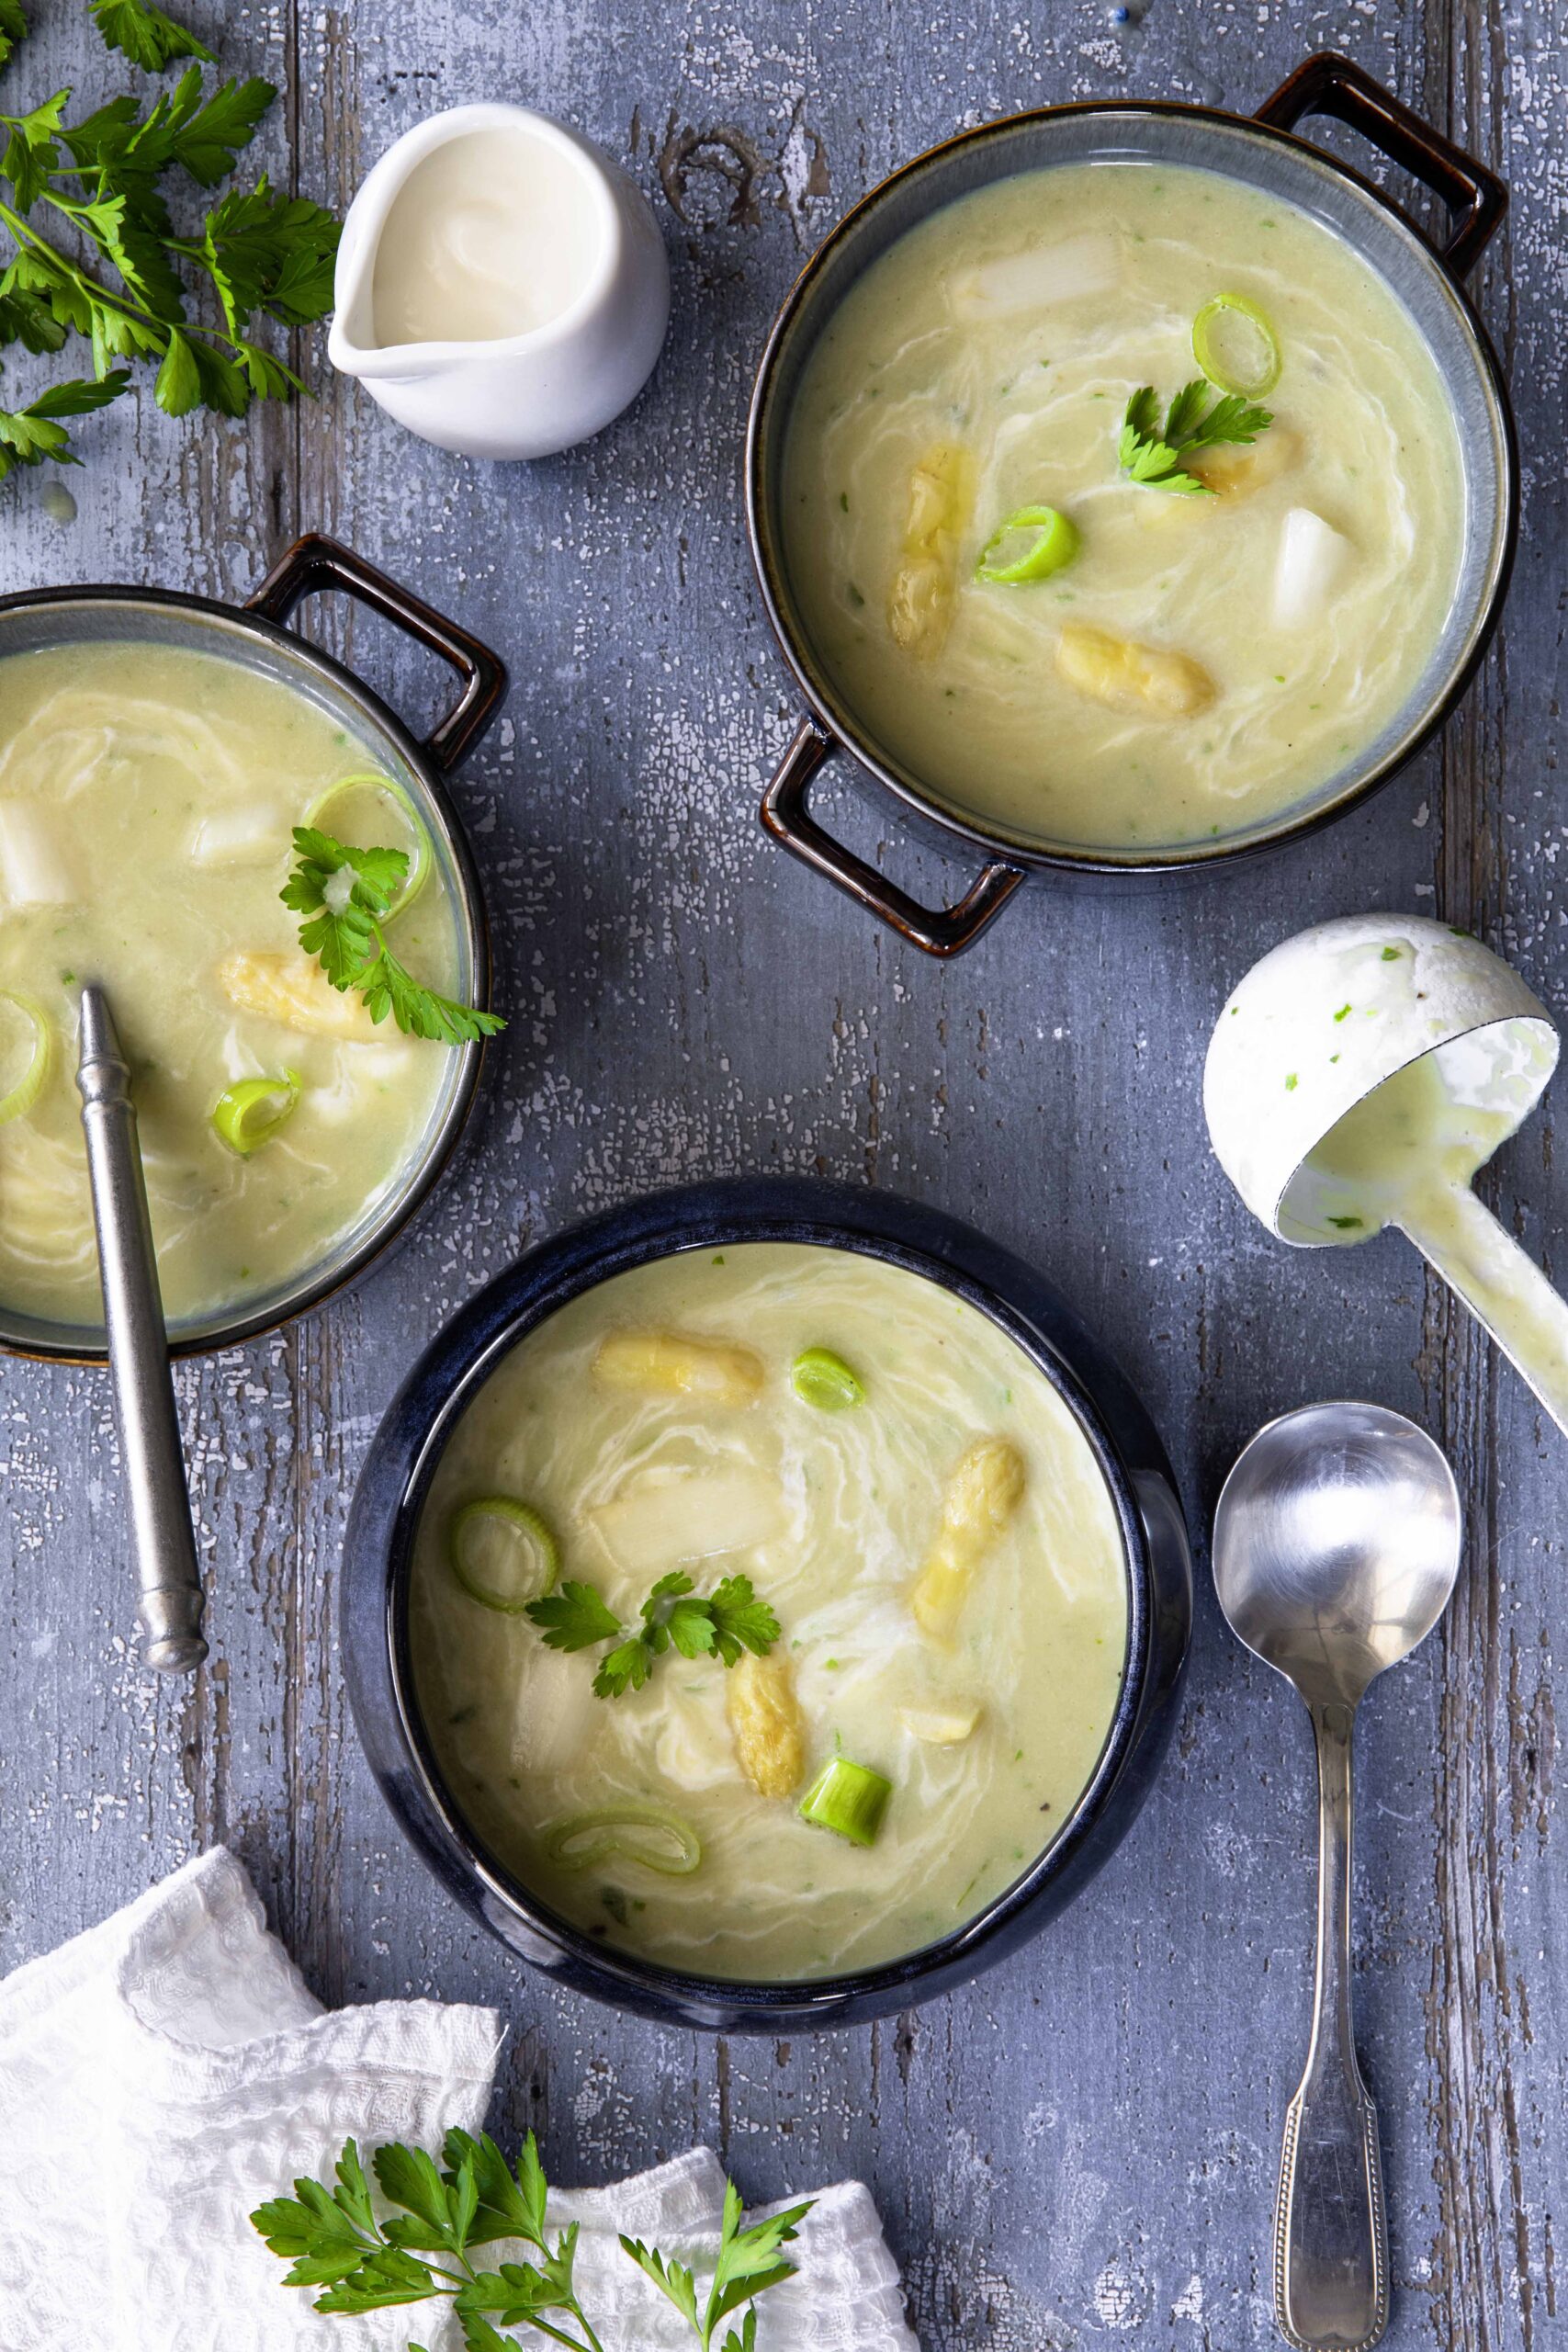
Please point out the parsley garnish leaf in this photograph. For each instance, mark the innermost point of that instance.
(741, 1621)
(574, 1618)
(626, 1668)
(347, 894)
(1156, 455)
(675, 1616)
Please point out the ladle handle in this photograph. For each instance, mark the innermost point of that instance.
(1330, 2229)
(1461, 1239)
(169, 1613)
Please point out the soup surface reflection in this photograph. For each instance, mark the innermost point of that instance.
(147, 800)
(1204, 660)
(901, 1486)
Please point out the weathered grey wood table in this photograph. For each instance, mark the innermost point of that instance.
(1081, 2148)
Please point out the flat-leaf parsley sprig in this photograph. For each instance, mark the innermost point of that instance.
(332, 2239)
(723, 1623)
(96, 252)
(346, 895)
(1156, 455)
(145, 34)
(749, 2263)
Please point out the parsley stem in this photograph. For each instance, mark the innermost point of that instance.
(573, 2343)
(127, 305)
(25, 233)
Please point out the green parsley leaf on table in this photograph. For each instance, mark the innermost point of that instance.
(13, 26)
(145, 34)
(346, 896)
(333, 2239)
(723, 1623)
(29, 435)
(89, 244)
(1155, 454)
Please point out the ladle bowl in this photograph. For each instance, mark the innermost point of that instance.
(1315, 1030)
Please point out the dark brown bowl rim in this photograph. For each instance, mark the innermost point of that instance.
(455, 1121)
(839, 723)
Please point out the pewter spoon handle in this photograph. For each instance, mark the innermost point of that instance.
(169, 1613)
(1330, 2229)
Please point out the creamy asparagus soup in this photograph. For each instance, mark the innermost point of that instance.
(769, 1611)
(1124, 504)
(147, 801)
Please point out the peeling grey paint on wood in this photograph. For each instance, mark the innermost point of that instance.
(1080, 2149)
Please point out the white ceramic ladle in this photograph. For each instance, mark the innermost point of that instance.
(1359, 1077)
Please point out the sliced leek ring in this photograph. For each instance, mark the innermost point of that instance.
(19, 1101)
(1053, 544)
(626, 1833)
(251, 1112)
(540, 1554)
(1214, 349)
(421, 855)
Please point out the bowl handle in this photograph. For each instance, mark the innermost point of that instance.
(944, 931)
(316, 562)
(1328, 84)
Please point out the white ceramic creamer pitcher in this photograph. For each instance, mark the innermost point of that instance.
(592, 240)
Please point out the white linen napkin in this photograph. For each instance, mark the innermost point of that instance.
(163, 2073)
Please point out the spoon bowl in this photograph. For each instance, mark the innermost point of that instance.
(1337, 1543)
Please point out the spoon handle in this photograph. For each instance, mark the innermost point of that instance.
(1503, 1287)
(1330, 2230)
(170, 1610)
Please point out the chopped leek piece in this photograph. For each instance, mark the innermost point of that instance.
(250, 1112)
(1053, 546)
(627, 1833)
(421, 857)
(849, 1799)
(537, 1554)
(19, 1101)
(1239, 358)
(819, 1377)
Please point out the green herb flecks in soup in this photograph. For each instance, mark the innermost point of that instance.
(1124, 504)
(793, 1622)
(148, 799)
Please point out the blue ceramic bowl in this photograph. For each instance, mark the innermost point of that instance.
(416, 1429)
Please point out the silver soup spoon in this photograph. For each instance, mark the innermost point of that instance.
(170, 1612)
(1337, 1543)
